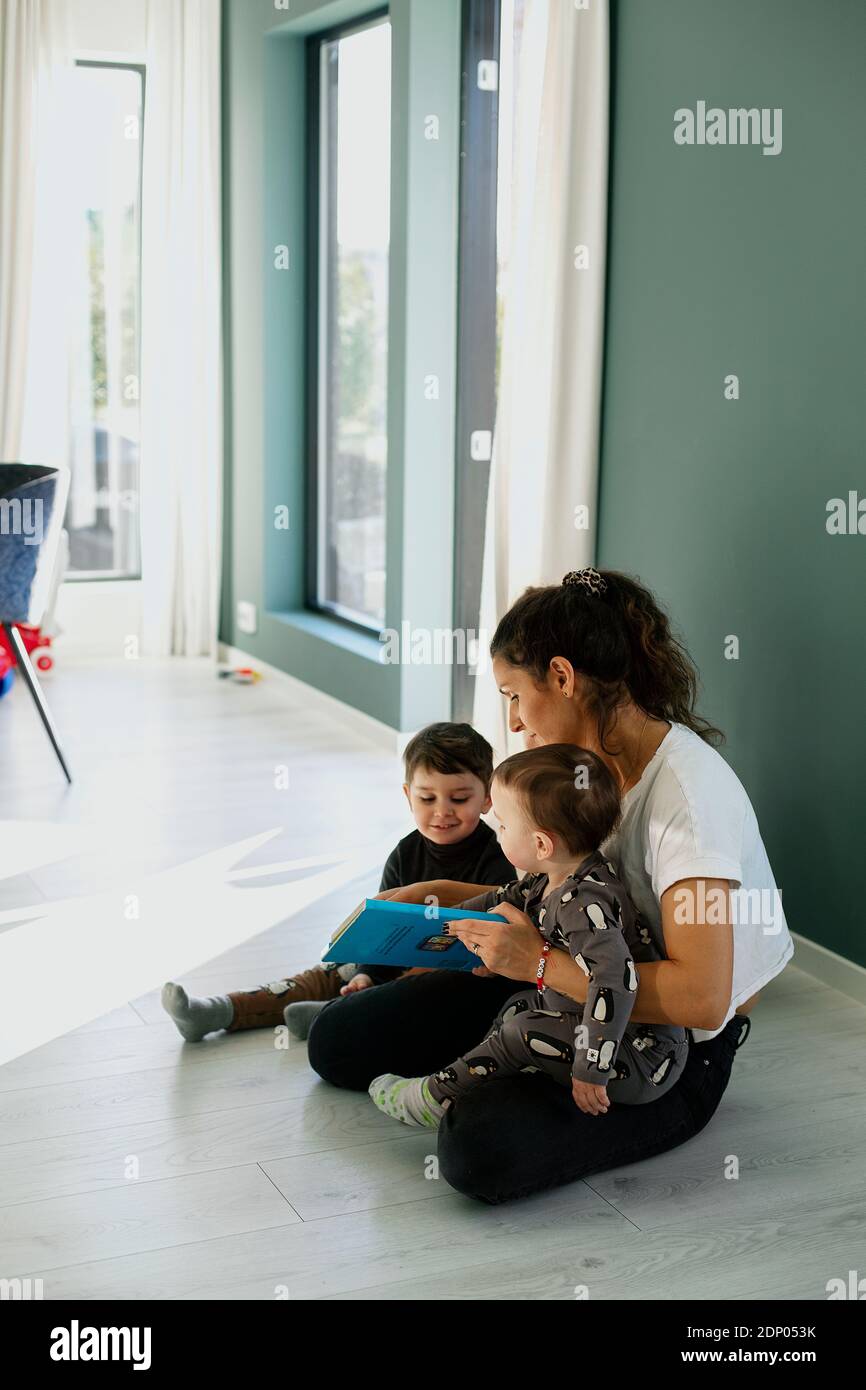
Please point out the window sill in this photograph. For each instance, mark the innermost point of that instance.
(331, 630)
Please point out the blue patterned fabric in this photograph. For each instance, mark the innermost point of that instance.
(25, 514)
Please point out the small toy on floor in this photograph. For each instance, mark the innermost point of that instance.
(241, 675)
(37, 643)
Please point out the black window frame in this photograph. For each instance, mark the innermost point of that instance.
(476, 318)
(314, 44)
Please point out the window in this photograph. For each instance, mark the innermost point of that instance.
(350, 171)
(106, 112)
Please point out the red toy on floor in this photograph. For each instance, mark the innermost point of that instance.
(38, 645)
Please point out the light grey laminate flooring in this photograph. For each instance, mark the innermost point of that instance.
(133, 1167)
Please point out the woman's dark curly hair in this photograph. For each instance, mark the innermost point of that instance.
(620, 641)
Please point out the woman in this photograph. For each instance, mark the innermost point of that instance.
(592, 662)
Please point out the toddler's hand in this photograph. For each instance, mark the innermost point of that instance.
(592, 1100)
(357, 982)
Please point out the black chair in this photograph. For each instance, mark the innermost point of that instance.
(32, 503)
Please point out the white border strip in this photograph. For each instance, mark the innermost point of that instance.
(831, 969)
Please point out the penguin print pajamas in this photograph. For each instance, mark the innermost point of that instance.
(592, 917)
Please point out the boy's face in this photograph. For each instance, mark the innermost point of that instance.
(519, 841)
(447, 806)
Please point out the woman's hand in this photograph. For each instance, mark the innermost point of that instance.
(510, 948)
(592, 1100)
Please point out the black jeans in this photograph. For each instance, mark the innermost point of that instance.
(517, 1135)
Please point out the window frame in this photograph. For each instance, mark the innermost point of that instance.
(476, 320)
(121, 576)
(313, 249)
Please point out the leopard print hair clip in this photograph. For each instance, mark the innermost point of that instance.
(587, 578)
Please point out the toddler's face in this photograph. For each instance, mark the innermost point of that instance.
(517, 838)
(447, 806)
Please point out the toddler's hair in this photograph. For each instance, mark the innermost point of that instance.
(449, 748)
(565, 790)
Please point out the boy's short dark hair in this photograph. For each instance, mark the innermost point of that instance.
(450, 748)
(565, 790)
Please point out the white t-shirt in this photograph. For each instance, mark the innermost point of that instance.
(689, 817)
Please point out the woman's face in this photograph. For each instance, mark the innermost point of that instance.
(546, 713)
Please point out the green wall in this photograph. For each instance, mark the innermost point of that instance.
(264, 144)
(723, 260)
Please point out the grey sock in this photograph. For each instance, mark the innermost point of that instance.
(299, 1017)
(196, 1017)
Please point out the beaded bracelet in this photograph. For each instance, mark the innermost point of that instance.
(542, 964)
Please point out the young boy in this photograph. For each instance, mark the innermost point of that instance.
(556, 805)
(448, 768)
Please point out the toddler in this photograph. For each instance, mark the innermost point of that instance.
(556, 805)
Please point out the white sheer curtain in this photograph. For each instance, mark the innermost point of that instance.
(34, 247)
(181, 395)
(545, 453)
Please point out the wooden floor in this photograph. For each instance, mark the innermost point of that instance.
(132, 1166)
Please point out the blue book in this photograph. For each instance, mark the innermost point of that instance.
(381, 932)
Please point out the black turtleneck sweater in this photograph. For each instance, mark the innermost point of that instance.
(477, 859)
